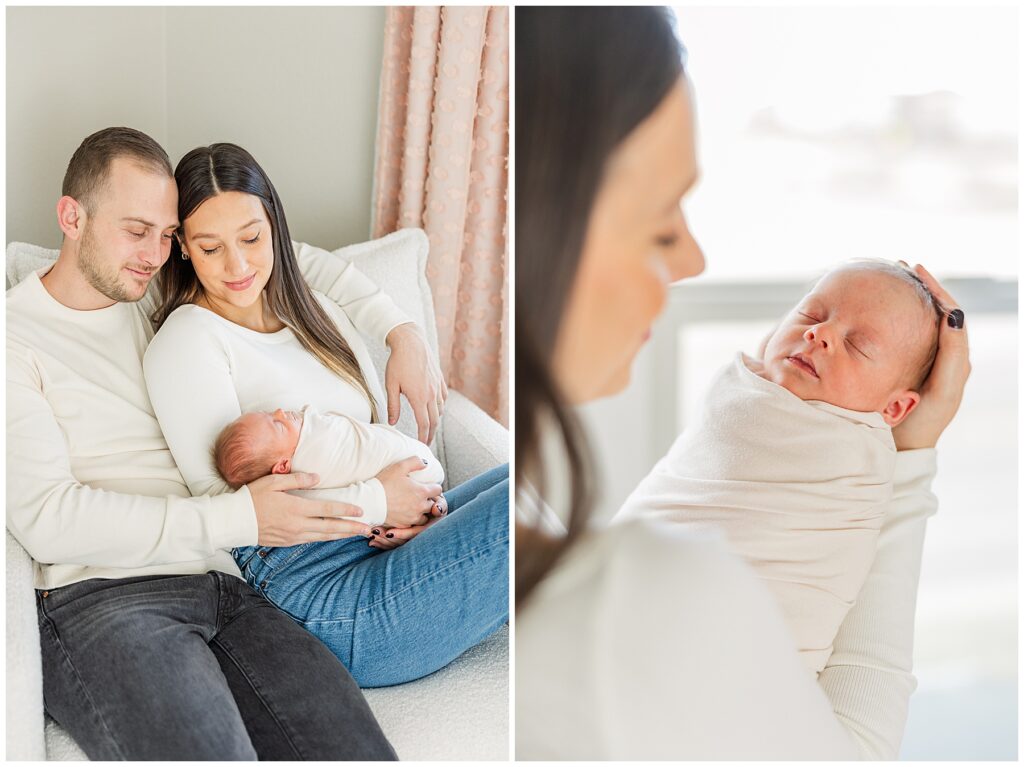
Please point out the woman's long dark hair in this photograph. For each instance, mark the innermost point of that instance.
(208, 171)
(585, 78)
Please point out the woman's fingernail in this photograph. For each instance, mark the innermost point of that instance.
(375, 531)
(956, 319)
(390, 535)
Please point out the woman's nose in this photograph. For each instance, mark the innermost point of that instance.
(686, 258)
(236, 262)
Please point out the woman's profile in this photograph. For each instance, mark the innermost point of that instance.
(646, 641)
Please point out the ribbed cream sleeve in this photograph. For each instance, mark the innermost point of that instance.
(868, 679)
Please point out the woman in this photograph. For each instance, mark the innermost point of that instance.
(238, 317)
(641, 641)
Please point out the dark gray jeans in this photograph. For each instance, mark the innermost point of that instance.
(195, 667)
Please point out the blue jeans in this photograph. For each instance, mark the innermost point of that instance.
(394, 616)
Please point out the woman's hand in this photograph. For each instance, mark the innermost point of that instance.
(390, 538)
(409, 501)
(411, 371)
(942, 392)
(288, 520)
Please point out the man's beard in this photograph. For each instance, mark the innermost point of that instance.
(105, 278)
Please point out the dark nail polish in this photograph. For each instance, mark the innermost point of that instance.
(956, 319)
(390, 535)
(376, 531)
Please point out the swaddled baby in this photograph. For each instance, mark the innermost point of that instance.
(341, 449)
(792, 455)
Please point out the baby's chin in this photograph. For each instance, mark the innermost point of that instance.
(779, 372)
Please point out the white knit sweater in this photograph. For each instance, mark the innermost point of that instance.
(92, 490)
(238, 370)
(649, 642)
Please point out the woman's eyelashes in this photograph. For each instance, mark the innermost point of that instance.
(214, 249)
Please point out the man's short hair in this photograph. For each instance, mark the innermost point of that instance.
(89, 168)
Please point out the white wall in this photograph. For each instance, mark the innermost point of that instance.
(297, 87)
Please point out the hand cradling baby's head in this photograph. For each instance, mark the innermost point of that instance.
(864, 338)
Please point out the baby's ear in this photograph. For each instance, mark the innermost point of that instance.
(901, 404)
(284, 466)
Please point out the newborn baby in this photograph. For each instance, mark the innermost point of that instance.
(792, 455)
(341, 449)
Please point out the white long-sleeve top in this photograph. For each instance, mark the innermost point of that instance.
(92, 489)
(203, 371)
(342, 449)
(651, 642)
(797, 487)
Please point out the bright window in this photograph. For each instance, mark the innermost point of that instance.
(830, 133)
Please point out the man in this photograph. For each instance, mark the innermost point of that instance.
(153, 646)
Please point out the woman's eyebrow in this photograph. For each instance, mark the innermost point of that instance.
(215, 236)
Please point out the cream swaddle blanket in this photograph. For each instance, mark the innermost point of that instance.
(797, 487)
(346, 452)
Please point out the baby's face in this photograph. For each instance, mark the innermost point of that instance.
(851, 342)
(276, 432)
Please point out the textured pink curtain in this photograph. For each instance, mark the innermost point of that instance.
(442, 164)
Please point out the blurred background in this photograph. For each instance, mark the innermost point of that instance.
(831, 133)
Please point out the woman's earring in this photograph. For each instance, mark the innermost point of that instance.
(184, 256)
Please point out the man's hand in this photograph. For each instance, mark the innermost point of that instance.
(390, 538)
(411, 371)
(288, 520)
(409, 501)
(942, 392)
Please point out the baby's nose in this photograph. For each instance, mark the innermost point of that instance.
(817, 335)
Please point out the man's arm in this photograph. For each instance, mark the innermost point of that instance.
(371, 310)
(59, 520)
(411, 369)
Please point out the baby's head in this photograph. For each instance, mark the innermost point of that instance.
(864, 338)
(257, 444)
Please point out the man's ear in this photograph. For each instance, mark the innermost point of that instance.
(71, 217)
(901, 404)
(284, 466)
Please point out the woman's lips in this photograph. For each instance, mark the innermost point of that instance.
(803, 364)
(241, 284)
